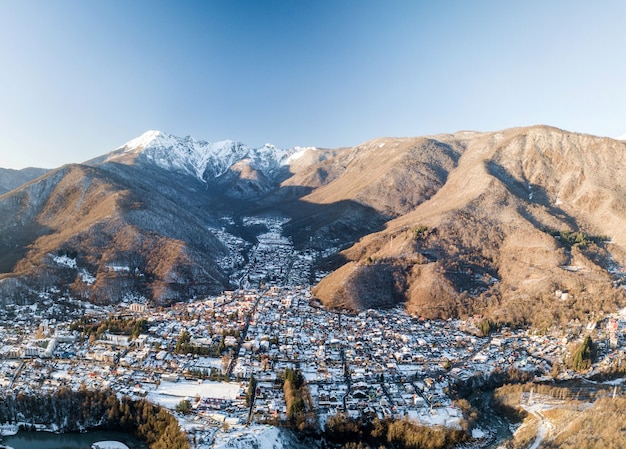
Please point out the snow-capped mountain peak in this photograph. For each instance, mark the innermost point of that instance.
(297, 153)
(142, 141)
(201, 159)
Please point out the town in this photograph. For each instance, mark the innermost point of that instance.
(219, 362)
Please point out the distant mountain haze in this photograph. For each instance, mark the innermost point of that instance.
(520, 225)
(11, 179)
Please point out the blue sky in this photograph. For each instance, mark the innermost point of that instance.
(78, 78)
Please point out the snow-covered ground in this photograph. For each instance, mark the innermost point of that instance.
(536, 405)
(8, 429)
(65, 261)
(169, 394)
(478, 433)
(108, 445)
(255, 437)
(441, 416)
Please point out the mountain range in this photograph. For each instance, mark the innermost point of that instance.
(519, 225)
(11, 179)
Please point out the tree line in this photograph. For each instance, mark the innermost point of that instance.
(115, 325)
(298, 401)
(75, 411)
(348, 433)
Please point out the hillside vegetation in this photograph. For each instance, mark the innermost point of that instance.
(113, 240)
(523, 214)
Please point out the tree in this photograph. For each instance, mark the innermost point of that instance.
(72, 411)
(183, 407)
(226, 359)
(485, 327)
(582, 357)
(183, 341)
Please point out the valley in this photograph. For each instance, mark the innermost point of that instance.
(445, 226)
(239, 345)
(367, 295)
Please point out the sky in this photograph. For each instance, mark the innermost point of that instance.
(79, 79)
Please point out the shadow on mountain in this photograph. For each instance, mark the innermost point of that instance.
(12, 179)
(320, 226)
(323, 227)
(146, 231)
(14, 244)
(530, 194)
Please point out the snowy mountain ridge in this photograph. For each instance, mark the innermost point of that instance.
(198, 158)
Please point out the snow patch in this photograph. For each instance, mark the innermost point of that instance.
(118, 268)
(252, 437)
(87, 277)
(134, 297)
(298, 153)
(108, 445)
(65, 261)
(169, 394)
(8, 430)
(478, 433)
(444, 416)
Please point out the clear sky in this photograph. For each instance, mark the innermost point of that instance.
(80, 78)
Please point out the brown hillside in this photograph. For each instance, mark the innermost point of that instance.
(485, 241)
(83, 213)
(390, 175)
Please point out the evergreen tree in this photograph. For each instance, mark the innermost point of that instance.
(582, 357)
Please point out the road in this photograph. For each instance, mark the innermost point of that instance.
(243, 335)
(544, 426)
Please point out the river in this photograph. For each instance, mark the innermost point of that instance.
(491, 421)
(48, 440)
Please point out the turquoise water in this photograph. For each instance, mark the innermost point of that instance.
(47, 440)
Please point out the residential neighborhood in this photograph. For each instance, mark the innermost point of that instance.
(205, 352)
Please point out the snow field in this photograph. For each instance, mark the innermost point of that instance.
(169, 394)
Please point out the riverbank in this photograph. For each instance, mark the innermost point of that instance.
(48, 440)
(66, 411)
(8, 429)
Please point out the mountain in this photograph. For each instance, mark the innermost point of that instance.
(392, 176)
(141, 220)
(12, 179)
(524, 215)
(253, 168)
(102, 236)
(520, 225)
